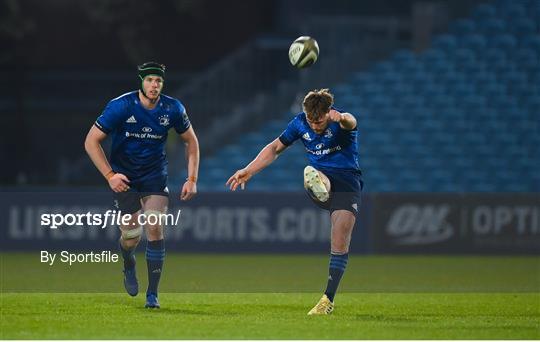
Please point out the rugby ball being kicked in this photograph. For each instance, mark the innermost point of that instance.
(303, 52)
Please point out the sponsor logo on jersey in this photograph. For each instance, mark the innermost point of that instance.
(147, 129)
(185, 118)
(325, 151)
(306, 136)
(319, 146)
(131, 119)
(143, 135)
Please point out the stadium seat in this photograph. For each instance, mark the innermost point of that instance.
(527, 58)
(491, 27)
(445, 42)
(505, 41)
(474, 41)
(493, 55)
(532, 41)
(522, 26)
(462, 56)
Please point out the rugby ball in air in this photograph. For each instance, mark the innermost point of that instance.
(303, 52)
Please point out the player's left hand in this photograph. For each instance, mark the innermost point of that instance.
(188, 190)
(239, 178)
(335, 116)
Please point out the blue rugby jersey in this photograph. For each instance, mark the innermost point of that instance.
(139, 135)
(335, 148)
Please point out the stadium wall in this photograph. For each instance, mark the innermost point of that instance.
(427, 223)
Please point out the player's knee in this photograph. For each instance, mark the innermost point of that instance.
(129, 233)
(130, 243)
(154, 228)
(152, 218)
(154, 232)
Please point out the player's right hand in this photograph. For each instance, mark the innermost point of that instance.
(239, 178)
(335, 116)
(119, 182)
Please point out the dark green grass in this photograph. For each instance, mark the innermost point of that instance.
(271, 316)
(22, 272)
(267, 297)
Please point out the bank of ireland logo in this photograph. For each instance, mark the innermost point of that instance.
(164, 120)
(319, 146)
(147, 129)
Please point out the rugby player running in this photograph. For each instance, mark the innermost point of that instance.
(138, 123)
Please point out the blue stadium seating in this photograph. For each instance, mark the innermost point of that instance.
(464, 115)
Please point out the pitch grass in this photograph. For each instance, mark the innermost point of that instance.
(381, 297)
(271, 316)
(23, 272)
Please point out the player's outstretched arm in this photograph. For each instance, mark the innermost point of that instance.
(267, 155)
(92, 144)
(189, 189)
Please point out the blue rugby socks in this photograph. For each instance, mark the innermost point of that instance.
(155, 254)
(129, 257)
(338, 263)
